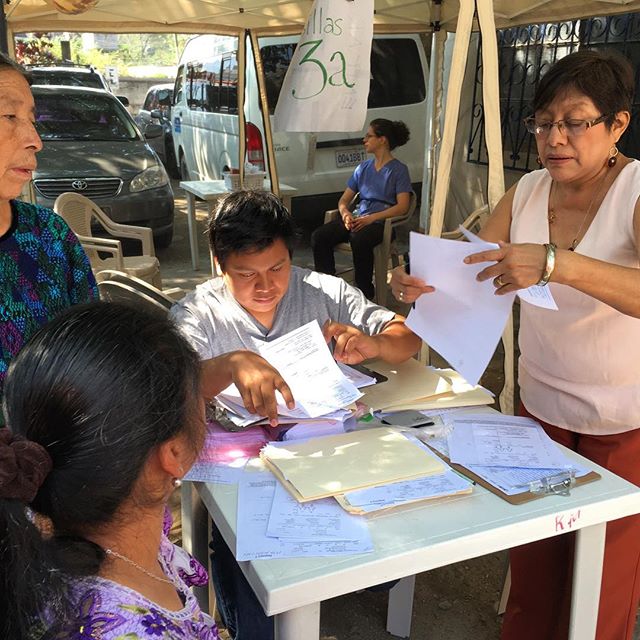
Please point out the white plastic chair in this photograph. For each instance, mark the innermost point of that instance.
(383, 251)
(473, 222)
(165, 296)
(78, 211)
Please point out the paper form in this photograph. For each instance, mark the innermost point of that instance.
(314, 521)
(358, 378)
(306, 364)
(503, 441)
(224, 455)
(256, 490)
(535, 295)
(397, 493)
(462, 319)
(510, 480)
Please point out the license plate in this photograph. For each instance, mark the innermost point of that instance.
(350, 157)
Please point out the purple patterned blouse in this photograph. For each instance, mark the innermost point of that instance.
(107, 610)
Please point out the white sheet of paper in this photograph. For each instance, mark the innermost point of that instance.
(535, 295)
(305, 362)
(301, 356)
(314, 521)
(305, 430)
(463, 319)
(503, 441)
(358, 378)
(216, 473)
(510, 480)
(255, 492)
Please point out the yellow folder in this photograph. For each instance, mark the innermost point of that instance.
(323, 467)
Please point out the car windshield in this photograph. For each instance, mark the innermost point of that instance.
(66, 78)
(82, 117)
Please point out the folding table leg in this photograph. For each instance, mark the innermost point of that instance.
(303, 622)
(400, 607)
(587, 576)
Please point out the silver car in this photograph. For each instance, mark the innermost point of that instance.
(93, 146)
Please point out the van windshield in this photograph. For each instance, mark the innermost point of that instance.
(396, 72)
(69, 116)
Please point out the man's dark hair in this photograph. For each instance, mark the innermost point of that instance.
(604, 76)
(246, 221)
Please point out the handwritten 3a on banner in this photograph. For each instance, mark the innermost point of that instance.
(327, 83)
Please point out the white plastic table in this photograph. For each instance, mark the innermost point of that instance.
(210, 191)
(423, 538)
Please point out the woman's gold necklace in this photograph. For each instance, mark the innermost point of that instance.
(135, 565)
(551, 216)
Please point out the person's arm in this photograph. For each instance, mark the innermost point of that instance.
(401, 207)
(254, 377)
(408, 289)
(521, 265)
(343, 207)
(394, 344)
(81, 282)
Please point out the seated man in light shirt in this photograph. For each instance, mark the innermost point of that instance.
(261, 296)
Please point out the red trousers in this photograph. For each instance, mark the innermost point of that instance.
(541, 572)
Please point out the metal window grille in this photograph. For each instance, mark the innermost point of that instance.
(524, 55)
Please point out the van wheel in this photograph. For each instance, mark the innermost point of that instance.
(184, 170)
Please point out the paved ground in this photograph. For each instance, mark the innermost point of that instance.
(457, 602)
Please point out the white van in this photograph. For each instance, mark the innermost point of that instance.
(205, 116)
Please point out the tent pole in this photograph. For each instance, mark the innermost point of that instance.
(271, 167)
(4, 29)
(432, 127)
(454, 89)
(242, 121)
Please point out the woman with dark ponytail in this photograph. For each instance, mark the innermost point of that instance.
(384, 186)
(104, 417)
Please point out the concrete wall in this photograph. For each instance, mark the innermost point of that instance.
(136, 89)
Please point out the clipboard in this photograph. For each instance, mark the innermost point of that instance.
(518, 498)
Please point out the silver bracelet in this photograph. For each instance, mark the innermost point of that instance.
(550, 264)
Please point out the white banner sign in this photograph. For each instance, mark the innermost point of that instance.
(327, 83)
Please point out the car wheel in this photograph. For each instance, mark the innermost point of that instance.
(163, 240)
(184, 170)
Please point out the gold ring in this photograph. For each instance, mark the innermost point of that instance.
(499, 281)
(401, 295)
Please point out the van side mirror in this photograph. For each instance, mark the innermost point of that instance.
(124, 100)
(157, 114)
(153, 130)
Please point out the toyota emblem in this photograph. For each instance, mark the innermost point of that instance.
(79, 185)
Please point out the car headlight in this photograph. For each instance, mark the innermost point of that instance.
(150, 178)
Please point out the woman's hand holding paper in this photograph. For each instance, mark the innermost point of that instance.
(407, 288)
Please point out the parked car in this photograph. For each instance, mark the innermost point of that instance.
(157, 108)
(71, 75)
(93, 146)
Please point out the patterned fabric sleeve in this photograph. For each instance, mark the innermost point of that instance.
(80, 279)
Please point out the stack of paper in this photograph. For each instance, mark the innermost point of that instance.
(396, 494)
(301, 357)
(331, 465)
(272, 524)
(412, 385)
(506, 451)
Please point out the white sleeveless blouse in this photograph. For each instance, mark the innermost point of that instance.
(580, 366)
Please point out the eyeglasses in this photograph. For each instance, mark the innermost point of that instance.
(570, 127)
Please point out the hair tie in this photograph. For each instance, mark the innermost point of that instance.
(23, 467)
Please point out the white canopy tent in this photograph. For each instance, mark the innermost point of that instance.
(261, 17)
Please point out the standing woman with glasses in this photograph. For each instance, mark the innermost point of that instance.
(575, 224)
(384, 186)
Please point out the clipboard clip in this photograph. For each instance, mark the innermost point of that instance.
(558, 484)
